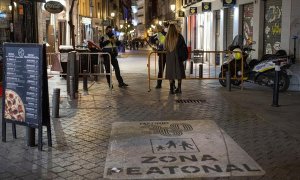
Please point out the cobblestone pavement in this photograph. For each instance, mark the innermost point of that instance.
(81, 134)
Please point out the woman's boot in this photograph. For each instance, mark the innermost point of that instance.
(171, 87)
(178, 90)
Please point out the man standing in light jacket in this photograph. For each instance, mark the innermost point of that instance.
(109, 43)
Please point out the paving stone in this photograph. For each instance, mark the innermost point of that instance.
(82, 171)
(65, 163)
(73, 167)
(93, 175)
(76, 177)
(81, 136)
(89, 165)
(66, 174)
(58, 169)
(30, 177)
(98, 169)
(5, 175)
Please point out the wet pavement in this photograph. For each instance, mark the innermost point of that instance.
(81, 136)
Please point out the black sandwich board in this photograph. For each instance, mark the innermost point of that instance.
(25, 89)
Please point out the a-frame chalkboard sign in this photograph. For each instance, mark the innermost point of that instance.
(25, 89)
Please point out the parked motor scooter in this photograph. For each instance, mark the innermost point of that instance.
(261, 71)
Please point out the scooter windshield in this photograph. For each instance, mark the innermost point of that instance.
(238, 41)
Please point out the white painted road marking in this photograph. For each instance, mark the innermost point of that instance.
(175, 149)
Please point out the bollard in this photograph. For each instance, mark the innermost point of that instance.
(55, 102)
(191, 68)
(72, 90)
(276, 85)
(30, 136)
(200, 70)
(85, 88)
(101, 68)
(95, 71)
(228, 80)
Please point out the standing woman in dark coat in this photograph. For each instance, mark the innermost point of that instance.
(174, 44)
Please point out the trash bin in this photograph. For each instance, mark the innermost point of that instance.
(64, 50)
(197, 56)
(83, 58)
(72, 71)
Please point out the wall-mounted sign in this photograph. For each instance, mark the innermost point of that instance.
(229, 3)
(193, 10)
(54, 7)
(85, 20)
(106, 22)
(206, 6)
(181, 14)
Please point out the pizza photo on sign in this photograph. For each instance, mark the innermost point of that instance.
(14, 106)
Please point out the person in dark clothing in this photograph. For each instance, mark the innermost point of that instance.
(109, 44)
(159, 40)
(175, 46)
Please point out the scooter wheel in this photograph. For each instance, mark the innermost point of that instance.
(284, 82)
(222, 81)
(236, 82)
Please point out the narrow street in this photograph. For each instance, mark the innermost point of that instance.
(93, 132)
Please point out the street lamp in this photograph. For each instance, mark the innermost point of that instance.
(173, 7)
(112, 14)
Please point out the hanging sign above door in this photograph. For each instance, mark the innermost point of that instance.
(54, 7)
(181, 14)
(229, 3)
(193, 10)
(206, 6)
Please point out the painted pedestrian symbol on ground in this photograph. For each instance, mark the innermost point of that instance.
(159, 148)
(184, 145)
(163, 153)
(171, 144)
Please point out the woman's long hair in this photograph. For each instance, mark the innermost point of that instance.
(171, 38)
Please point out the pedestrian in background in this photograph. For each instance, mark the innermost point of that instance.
(176, 54)
(109, 44)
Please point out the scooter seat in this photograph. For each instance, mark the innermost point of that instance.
(253, 63)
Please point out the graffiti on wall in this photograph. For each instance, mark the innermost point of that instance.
(272, 37)
(248, 22)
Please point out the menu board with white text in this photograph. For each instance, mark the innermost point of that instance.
(22, 83)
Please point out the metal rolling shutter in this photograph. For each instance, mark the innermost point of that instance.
(217, 35)
(272, 26)
(229, 26)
